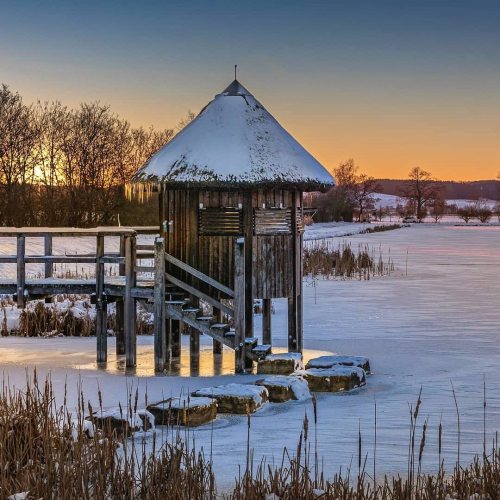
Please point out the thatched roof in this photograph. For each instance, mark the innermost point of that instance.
(234, 143)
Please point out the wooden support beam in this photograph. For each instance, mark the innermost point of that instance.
(49, 266)
(266, 321)
(21, 271)
(119, 308)
(175, 335)
(101, 305)
(217, 347)
(160, 341)
(194, 352)
(239, 306)
(129, 302)
(248, 273)
(295, 300)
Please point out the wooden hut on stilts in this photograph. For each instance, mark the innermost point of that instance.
(230, 198)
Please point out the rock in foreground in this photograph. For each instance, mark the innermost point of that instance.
(280, 364)
(121, 422)
(282, 388)
(235, 398)
(336, 379)
(330, 361)
(187, 411)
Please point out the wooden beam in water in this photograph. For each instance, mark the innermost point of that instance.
(101, 305)
(266, 321)
(239, 306)
(160, 343)
(21, 271)
(129, 302)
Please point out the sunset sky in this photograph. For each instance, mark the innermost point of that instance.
(393, 84)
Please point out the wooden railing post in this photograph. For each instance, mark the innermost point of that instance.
(21, 270)
(239, 306)
(129, 302)
(101, 304)
(160, 341)
(47, 250)
(119, 311)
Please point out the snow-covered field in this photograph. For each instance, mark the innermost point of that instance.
(436, 326)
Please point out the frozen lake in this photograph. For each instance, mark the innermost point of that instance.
(437, 325)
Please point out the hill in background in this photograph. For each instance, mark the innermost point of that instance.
(452, 190)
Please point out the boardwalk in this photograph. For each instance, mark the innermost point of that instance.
(146, 273)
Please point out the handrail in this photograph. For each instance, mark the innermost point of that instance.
(197, 293)
(198, 274)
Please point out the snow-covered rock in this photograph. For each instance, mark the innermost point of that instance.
(336, 379)
(185, 410)
(235, 398)
(120, 421)
(329, 361)
(282, 388)
(280, 364)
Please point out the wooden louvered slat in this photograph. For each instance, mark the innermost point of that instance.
(220, 222)
(270, 221)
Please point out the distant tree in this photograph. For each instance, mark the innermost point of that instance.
(420, 189)
(467, 212)
(437, 208)
(483, 211)
(363, 194)
(380, 213)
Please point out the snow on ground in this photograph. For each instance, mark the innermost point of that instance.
(436, 326)
(383, 200)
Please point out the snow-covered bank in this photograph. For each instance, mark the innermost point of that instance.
(436, 325)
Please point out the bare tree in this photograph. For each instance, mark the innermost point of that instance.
(420, 189)
(364, 190)
(467, 212)
(437, 208)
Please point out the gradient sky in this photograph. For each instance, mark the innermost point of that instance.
(393, 84)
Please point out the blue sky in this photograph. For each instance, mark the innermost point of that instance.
(390, 83)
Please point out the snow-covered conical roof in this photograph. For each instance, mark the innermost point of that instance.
(234, 142)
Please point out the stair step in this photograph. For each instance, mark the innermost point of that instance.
(262, 350)
(191, 310)
(175, 302)
(251, 341)
(224, 327)
(230, 333)
(205, 318)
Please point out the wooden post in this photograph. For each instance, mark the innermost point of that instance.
(160, 343)
(239, 306)
(174, 331)
(21, 270)
(248, 234)
(217, 347)
(119, 311)
(47, 250)
(49, 266)
(295, 300)
(266, 321)
(129, 302)
(194, 349)
(101, 305)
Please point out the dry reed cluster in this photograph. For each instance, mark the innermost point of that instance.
(322, 259)
(47, 451)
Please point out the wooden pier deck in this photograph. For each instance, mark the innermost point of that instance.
(176, 291)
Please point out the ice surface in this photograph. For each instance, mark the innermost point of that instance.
(437, 325)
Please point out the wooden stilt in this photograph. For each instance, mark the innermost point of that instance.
(129, 302)
(266, 321)
(175, 332)
(21, 271)
(239, 306)
(101, 304)
(48, 266)
(119, 308)
(194, 352)
(160, 343)
(217, 346)
(249, 292)
(294, 301)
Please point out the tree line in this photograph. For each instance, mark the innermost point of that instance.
(421, 195)
(68, 167)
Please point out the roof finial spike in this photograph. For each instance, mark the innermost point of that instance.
(235, 66)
